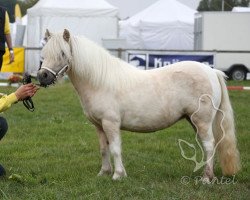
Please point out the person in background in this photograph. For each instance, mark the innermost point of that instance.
(5, 36)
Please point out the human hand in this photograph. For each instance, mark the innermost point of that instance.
(12, 57)
(25, 91)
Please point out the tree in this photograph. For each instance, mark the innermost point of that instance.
(245, 3)
(10, 7)
(217, 5)
(24, 5)
(204, 5)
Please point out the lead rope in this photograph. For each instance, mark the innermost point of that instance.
(28, 103)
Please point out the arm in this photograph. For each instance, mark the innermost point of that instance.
(21, 93)
(6, 101)
(8, 36)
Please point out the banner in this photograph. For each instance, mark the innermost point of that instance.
(156, 60)
(18, 65)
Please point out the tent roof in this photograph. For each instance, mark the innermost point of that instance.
(73, 8)
(167, 24)
(241, 9)
(164, 11)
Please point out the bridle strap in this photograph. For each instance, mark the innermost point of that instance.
(56, 74)
(50, 70)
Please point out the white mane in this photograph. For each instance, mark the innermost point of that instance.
(95, 64)
(101, 68)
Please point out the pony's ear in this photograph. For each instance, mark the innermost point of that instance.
(66, 35)
(47, 34)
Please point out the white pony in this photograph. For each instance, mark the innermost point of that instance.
(116, 96)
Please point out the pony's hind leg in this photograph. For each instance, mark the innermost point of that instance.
(104, 149)
(202, 120)
(112, 130)
(207, 140)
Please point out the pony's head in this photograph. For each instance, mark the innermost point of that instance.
(57, 56)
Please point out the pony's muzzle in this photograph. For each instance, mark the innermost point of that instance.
(45, 77)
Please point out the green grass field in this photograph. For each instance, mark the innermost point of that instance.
(53, 153)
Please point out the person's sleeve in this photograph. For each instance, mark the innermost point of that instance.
(7, 24)
(7, 101)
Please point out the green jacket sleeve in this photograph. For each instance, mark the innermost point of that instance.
(6, 101)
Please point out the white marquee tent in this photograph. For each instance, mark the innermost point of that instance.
(95, 19)
(241, 9)
(167, 24)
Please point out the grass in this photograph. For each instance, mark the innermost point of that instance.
(53, 153)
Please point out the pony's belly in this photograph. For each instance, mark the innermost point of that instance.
(143, 129)
(149, 119)
(145, 125)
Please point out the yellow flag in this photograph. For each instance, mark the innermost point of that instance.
(18, 65)
(18, 14)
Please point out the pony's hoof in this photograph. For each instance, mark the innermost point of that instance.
(104, 172)
(119, 175)
(207, 179)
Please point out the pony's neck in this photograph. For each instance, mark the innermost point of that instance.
(95, 65)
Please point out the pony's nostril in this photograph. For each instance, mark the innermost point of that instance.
(45, 75)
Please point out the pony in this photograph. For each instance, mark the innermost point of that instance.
(117, 96)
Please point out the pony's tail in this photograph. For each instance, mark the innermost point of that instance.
(224, 132)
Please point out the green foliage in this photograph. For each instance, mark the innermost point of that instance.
(10, 7)
(216, 5)
(245, 3)
(24, 5)
(53, 153)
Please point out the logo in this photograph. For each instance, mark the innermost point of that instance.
(152, 60)
(138, 60)
(194, 158)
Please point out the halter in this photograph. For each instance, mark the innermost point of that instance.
(60, 72)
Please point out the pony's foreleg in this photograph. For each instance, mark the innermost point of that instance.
(112, 130)
(104, 149)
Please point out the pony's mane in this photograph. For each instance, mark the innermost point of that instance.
(94, 63)
(100, 67)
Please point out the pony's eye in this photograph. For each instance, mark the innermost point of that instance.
(63, 54)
